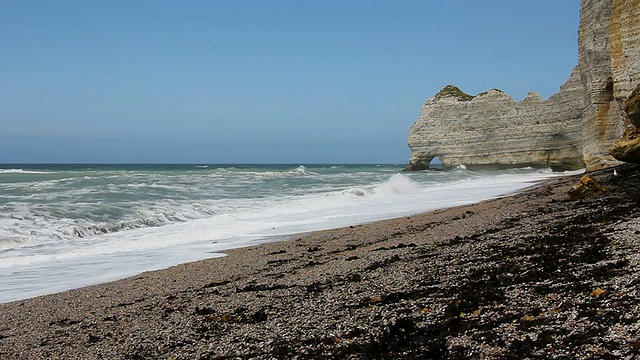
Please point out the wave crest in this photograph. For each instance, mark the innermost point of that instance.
(398, 184)
(21, 171)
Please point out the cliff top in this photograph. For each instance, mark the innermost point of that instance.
(453, 91)
(492, 90)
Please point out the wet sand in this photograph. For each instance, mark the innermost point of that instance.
(529, 275)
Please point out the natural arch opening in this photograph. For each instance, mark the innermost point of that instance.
(435, 163)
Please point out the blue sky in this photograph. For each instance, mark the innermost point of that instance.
(258, 81)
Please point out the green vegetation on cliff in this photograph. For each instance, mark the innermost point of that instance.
(453, 91)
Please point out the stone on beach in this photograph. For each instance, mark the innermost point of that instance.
(585, 188)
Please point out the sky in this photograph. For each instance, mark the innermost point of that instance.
(253, 81)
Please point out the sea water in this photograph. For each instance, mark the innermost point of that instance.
(67, 226)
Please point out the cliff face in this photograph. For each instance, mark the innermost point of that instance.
(609, 53)
(491, 129)
(577, 126)
(624, 51)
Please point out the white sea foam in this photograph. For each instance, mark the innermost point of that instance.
(83, 235)
(398, 184)
(20, 171)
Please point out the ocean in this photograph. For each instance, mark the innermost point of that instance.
(67, 226)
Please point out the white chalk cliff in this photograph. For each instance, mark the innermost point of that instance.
(574, 128)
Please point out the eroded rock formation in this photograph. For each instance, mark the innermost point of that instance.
(578, 125)
(492, 129)
(632, 107)
(628, 147)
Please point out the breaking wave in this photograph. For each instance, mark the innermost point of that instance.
(398, 184)
(20, 171)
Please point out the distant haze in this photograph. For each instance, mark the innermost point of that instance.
(258, 81)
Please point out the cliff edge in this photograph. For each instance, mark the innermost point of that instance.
(580, 126)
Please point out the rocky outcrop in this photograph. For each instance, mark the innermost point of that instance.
(628, 148)
(632, 107)
(580, 124)
(491, 129)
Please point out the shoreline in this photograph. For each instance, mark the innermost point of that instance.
(73, 262)
(506, 277)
